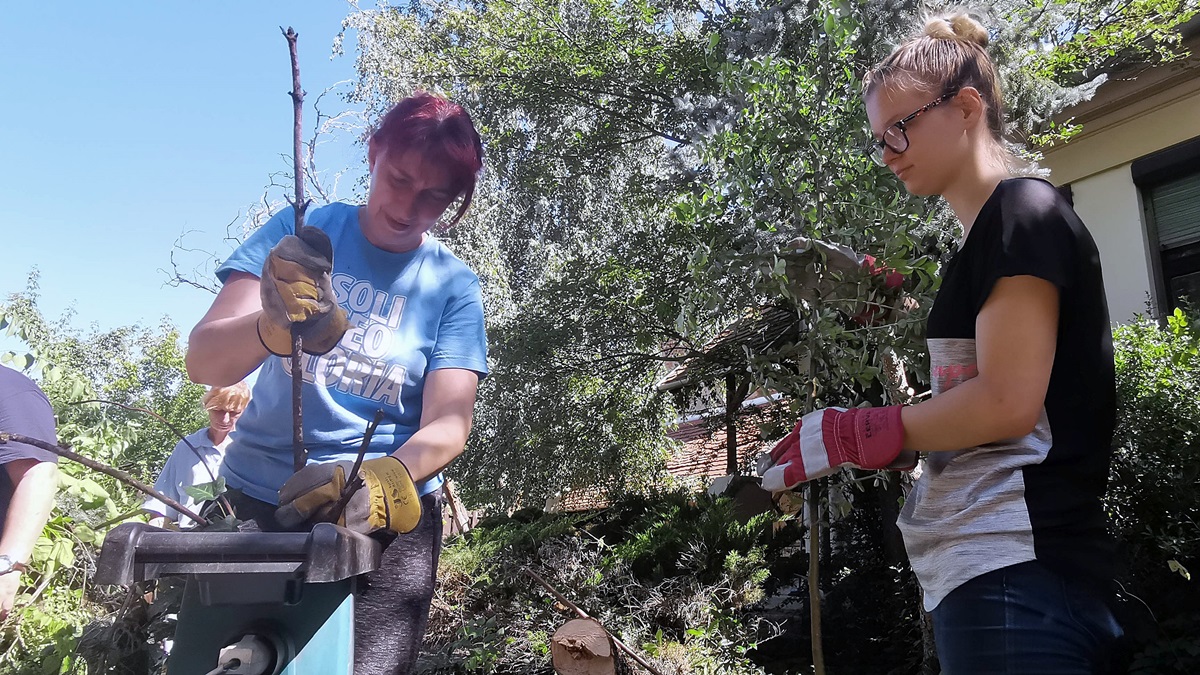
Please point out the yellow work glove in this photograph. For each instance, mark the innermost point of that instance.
(388, 499)
(296, 290)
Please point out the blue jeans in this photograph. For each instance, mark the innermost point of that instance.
(1026, 620)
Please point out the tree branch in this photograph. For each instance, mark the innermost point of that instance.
(6, 437)
(299, 206)
(220, 498)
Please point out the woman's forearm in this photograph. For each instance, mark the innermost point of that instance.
(222, 352)
(433, 447)
(971, 414)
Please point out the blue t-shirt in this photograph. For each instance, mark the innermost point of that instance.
(410, 313)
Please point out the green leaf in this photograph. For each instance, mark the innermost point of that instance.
(1177, 567)
(206, 492)
(63, 552)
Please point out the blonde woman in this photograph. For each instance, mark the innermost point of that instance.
(1005, 528)
(186, 467)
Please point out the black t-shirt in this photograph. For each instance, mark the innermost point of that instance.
(24, 410)
(1036, 497)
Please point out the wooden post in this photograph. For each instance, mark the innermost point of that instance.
(814, 574)
(457, 513)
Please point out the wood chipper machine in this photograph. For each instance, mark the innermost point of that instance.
(254, 603)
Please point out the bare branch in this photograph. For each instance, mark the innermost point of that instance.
(300, 205)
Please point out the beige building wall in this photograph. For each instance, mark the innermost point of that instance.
(1127, 120)
(1109, 204)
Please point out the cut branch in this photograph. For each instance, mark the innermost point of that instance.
(297, 94)
(355, 482)
(299, 206)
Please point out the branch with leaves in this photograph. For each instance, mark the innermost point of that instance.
(6, 437)
(217, 493)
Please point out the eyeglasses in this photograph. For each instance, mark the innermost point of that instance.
(896, 136)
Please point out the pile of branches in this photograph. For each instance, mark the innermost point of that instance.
(676, 577)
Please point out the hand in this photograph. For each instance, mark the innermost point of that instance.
(826, 440)
(387, 500)
(811, 281)
(296, 290)
(875, 312)
(9, 584)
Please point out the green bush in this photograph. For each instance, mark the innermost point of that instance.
(1153, 498)
(61, 621)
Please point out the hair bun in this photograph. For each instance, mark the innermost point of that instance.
(956, 27)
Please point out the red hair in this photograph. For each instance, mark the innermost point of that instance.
(442, 131)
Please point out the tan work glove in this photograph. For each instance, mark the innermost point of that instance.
(388, 499)
(296, 289)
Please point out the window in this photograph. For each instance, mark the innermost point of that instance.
(1170, 187)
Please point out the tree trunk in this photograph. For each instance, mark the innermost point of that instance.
(735, 393)
(583, 647)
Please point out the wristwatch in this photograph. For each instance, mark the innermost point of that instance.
(7, 565)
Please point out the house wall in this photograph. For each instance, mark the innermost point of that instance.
(1110, 205)
(1128, 119)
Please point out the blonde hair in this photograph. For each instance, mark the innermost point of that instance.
(948, 55)
(235, 397)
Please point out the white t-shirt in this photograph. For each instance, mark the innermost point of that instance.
(184, 469)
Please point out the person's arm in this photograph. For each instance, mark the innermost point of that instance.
(224, 346)
(168, 484)
(35, 483)
(389, 498)
(1015, 340)
(448, 402)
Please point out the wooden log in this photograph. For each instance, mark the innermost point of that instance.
(624, 666)
(583, 647)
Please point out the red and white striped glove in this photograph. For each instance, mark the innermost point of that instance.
(825, 440)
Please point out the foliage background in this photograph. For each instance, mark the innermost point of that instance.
(648, 163)
(62, 622)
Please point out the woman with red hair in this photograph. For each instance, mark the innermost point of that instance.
(391, 321)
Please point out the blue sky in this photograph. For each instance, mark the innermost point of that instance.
(130, 123)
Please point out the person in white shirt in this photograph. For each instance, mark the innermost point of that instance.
(185, 467)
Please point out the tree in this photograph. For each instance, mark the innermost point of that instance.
(129, 365)
(648, 162)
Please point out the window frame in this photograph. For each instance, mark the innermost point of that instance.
(1148, 173)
